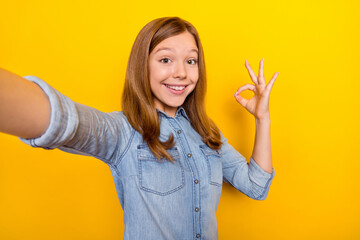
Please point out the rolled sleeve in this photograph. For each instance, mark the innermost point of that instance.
(249, 178)
(64, 119)
(258, 175)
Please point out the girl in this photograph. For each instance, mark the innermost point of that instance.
(167, 158)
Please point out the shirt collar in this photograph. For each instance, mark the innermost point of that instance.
(180, 111)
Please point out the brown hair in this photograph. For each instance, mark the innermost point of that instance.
(137, 99)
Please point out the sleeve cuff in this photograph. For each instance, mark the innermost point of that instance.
(259, 175)
(63, 120)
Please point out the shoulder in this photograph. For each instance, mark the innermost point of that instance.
(122, 123)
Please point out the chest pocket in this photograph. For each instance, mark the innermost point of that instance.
(214, 163)
(160, 177)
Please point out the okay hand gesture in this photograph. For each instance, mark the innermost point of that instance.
(258, 105)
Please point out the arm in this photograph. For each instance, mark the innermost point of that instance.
(249, 178)
(24, 107)
(253, 179)
(70, 126)
(80, 129)
(258, 105)
(262, 145)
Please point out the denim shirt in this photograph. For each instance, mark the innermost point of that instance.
(161, 199)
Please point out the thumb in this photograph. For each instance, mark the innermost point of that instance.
(239, 98)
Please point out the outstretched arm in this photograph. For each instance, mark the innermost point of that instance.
(258, 106)
(24, 107)
(43, 117)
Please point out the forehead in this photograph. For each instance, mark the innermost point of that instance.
(182, 42)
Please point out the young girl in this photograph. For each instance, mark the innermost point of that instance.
(167, 158)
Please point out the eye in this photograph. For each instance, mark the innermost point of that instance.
(192, 61)
(165, 60)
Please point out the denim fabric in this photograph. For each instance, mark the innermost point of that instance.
(161, 200)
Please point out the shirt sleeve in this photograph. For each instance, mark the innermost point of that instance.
(80, 129)
(249, 178)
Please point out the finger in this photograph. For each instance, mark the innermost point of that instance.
(239, 98)
(261, 77)
(251, 72)
(245, 87)
(271, 82)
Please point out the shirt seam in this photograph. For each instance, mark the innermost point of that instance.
(231, 164)
(88, 154)
(265, 188)
(120, 155)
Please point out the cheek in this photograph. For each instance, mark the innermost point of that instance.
(194, 75)
(158, 73)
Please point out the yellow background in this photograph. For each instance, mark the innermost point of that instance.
(81, 49)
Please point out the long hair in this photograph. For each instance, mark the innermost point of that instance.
(137, 99)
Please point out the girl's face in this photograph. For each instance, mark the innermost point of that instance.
(174, 71)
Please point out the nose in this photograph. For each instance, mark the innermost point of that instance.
(180, 70)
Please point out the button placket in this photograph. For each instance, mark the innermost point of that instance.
(183, 142)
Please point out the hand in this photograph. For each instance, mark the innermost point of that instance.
(258, 105)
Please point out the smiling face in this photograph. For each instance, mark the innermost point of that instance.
(174, 71)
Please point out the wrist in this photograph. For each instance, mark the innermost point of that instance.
(265, 118)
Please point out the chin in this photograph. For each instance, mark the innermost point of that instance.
(176, 103)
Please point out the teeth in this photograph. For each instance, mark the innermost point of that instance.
(178, 88)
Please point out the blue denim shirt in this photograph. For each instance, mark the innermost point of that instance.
(161, 200)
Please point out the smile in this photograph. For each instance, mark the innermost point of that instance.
(177, 88)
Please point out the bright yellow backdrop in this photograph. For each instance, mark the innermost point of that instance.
(81, 49)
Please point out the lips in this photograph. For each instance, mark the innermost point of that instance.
(176, 89)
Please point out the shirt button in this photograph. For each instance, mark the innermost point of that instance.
(189, 155)
(197, 209)
(197, 235)
(196, 181)
(179, 131)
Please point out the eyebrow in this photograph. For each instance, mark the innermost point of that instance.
(172, 50)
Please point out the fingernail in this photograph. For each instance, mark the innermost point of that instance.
(246, 61)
